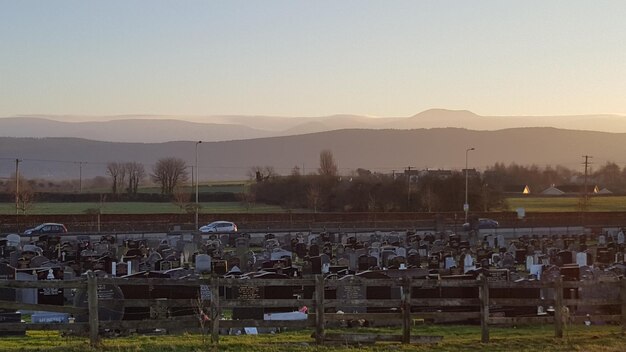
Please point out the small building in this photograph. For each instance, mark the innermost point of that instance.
(570, 190)
(552, 191)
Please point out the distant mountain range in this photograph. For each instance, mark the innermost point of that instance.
(155, 129)
(378, 150)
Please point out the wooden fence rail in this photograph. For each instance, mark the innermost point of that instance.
(404, 311)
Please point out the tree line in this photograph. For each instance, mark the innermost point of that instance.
(327, 190)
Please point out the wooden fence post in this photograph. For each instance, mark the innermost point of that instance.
(406, 311)
(319, 309)
(215, 310)
(558, 307)
(483, 295)
(623, 296)
(92, 302)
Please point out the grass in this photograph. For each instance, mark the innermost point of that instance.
(530, 204)
(558, 204)
(455, 338)
(138, 208)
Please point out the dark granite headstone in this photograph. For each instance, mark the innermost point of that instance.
(53, 296)
(110, 303)
(7, 272)
(220, 267)
(316, 265)
(349, 292)
(314, 250)
(433, 262)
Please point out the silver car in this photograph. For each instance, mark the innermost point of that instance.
(219, 226)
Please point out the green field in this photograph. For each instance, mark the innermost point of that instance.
(531, 204)
(550, 204)
(455, 338)
(138, 208)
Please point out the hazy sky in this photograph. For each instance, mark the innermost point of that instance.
(312, 58)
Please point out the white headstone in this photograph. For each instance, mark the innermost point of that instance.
(601, 240)
(13, 240)
(468, 263)
(501, 241)
(491, 241)
(620, 237)
(581, 258)
(535, 269)
(450, 262)
(530, 261)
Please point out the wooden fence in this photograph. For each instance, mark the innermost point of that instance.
(412, 306)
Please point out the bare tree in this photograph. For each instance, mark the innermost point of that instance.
(169, 173)
(113, 170)
(313, 196)
(261, 173)
(136, 173)
(328, 166)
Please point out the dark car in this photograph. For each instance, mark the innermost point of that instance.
(46, 228)
(481, 223)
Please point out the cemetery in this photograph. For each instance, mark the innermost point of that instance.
(236, 284)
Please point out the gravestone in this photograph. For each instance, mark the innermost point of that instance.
(316, 265)
(220, 267)
(7, 273)
(565, 257)
(351, 292)
(433, 262)
(468, 263)
(203, 264)
(300, 250)
(363, 263)
(497, 275)
(501, 243)
(314, 250)
(449, 262)
(248, 293)
(581, 258)
(279, 253)
(413, 259)
(570, 272)
(110, 303)
(603, 256)
(508, 261)
(53, 296)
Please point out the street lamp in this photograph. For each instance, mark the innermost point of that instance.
(466, 205)
(196, 171)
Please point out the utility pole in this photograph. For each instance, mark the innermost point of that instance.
(17, 186)
(196, 167)
(586, 163)
(408, 190)
(80, 177)
(466, 205)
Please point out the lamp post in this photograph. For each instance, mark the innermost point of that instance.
(466, 205)
(196, 171)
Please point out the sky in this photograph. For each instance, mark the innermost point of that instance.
(312, 58)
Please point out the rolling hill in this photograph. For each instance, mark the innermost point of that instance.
(156, 129)
(378, 150)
